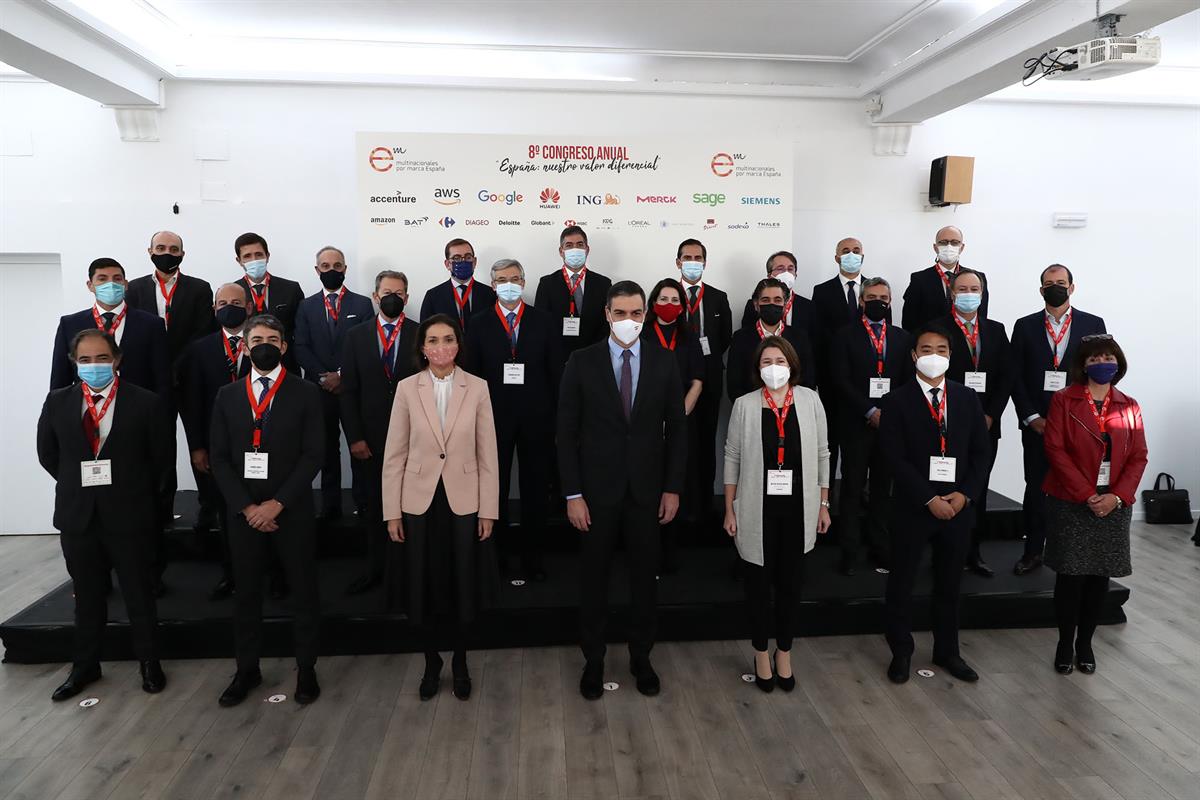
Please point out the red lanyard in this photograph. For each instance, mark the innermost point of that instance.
(387, 342)
(780, 419)
(763, 334)
(972, 339)
(939, 415)
(98, 415)
(333, 308)
(877, 343)
(232, 356)
(663, 340)
(260, 301)
(162, 289)
(116, 322)
(693, 308)
(462, 298)
(260, 409)
(573, 287)
(512, 342)
(942, 274)
(1066, 326)
(1101, 415)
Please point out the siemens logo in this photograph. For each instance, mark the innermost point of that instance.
(761, 201)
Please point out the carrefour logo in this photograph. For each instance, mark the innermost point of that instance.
(446, 222)
(708, 199)
(508, 199)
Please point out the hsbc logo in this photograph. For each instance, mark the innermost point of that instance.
(569, 222)
(549, 198)
(446, 222)
(447, 197)
(658, 199)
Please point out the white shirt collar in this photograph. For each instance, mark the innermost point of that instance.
(228, 334)
(101, 310)
(506, 312)
(925, 387)
(857, 281)
(1057, 322)
(449, 378)
(385, 321)
(273, 375)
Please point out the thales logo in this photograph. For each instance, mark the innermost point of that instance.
(708, 199)
(657, 198)
(549, 198)
(446, 222)
(761, 201)
(446, 197)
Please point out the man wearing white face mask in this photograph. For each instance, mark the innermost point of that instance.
(574, 294)
(799, 311)
(933, 433)
(266, 292)
(927, 297)
(622, 454)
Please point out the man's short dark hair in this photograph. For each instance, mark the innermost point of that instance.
(1070, 277)
(779, 253)
(770, 283)
(964, 271)
(572, 230)
(1096, 346)
(419, 359)
(94, 333)
(249, 238)
(265, 321)
(696, 242)
(936, 329)
(624, 289)
(456, 243)
(102, 263)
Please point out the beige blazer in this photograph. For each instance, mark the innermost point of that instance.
(418, 453)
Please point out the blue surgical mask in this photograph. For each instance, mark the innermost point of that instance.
(575, 257)
(509, 292)
(1102, 372)
(967, 302)
(111, 293)
(256, 269)
(692, 270)
(97, 376)
(462, 270)
(851, 262)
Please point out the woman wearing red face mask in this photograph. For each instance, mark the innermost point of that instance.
(441, 492)
(667, 328)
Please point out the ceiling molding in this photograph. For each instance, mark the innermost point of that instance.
(904, 20)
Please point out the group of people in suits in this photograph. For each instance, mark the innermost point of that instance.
(607, 397)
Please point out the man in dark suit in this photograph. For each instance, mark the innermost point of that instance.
(265, 449)
(867, 361)
(141, 336)
(622, 451)
(980, 360)
(266, 292)
(461, 297)
(799, 311)
(211, 363)
(108, 457)
(1043, 344)
(927, 297)
(574, 295)
(376, 356)
(770, 300)
(708, 315)
(934, 435)
(515, 349)
(322, 323)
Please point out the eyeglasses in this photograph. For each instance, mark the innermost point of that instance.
(1097, 337)
(951, 242)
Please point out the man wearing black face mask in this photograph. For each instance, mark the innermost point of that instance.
(868, 359)
(322, 323)
(1043, 344)
(461, 297)
(769, 300)
(377, 356)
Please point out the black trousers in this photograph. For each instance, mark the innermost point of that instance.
(534, 449)
(1078, 601)
(331, 470)
(949, 541)
(1034, 502)
(834, 424)
(680, 529)
(783, 571)
(980, 529)
(383, 556)
(638, 524)
(89, 556)
(707, 414)
(861, 457)
(295, 546)
(207, 487)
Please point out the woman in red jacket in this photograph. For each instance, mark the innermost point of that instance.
(1096, 447)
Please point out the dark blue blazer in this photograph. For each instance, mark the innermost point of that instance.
(440, 300)
(319, 345)
(1031, 357)
(852, 364)
(926, 300)
(995, 360)
(144, 359)
(203, 374)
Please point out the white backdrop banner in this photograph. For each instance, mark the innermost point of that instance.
(511, 196)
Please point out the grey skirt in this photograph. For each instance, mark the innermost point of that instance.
(1080, 543)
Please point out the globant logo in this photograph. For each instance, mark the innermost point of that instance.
(761, 201)
(659, 199)
(507, 199)
(540, 222)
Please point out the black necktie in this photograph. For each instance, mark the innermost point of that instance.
(108, 320)
(851, 300)
(258, 290)
(693, 319)
(234, 342)
(934, 392)
(626, 383)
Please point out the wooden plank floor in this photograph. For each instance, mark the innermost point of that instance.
(1130, 732)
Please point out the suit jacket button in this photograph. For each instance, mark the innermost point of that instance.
(443, 455)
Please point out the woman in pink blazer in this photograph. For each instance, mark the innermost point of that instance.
(441, 492)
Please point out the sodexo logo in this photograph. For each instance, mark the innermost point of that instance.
(507, 198)
(447, 197)
(710, 199)
(446, 222)
(762, 201)
(549, 198)
(658, 199)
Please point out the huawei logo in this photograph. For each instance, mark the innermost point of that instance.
(549, 196)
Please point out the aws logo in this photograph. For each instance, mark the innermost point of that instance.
(447, 197)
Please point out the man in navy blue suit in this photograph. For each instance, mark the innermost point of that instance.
(462, 296)
(321, 326)
(1043, 344)
(927, 297)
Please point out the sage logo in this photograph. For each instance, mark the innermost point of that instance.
(447, 197)
(708, 199)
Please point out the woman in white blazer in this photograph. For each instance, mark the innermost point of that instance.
(776, 498)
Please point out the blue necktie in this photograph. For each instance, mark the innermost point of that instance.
(626, 383)
(876, 328)
(389, 357)
(266, 384)
(512, 330)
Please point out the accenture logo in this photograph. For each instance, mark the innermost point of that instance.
(657, 199)
(549, 198)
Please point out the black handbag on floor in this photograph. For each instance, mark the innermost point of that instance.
(1168, 506)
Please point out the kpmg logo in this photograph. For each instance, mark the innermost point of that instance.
(549, 198)
(446, 222)
(508, 199)
(657, 199)
(708, 199)
(447, 197)
(761, 201)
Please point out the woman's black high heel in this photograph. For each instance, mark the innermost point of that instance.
(462, 678)
(431, 681)
(765, 684)
(1062, 659)
(1085, 659)
(788, 683)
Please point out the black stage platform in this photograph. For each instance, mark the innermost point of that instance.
(701, 601)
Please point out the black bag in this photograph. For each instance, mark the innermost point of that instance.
(1168, 506)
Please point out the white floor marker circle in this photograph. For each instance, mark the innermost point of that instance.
(89, 702)
(517, 582)
(747, 677)
(277, 698)
(881, 570)
(611, 686)
(925, 673)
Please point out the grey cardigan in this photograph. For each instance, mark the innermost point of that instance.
(744, 466)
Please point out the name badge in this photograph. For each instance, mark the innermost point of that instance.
(570, 326)
(779, 482)
(95, 473)
(879, 387)
(255, 467)
(941, 469)
(1055, 380)
(1105, 476)
(704, 348)
(976, 381)
(514, 374)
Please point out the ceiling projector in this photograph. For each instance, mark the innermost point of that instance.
(1103, 57)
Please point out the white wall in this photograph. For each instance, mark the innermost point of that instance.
(290, 176)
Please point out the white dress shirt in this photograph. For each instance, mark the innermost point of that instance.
(119, 331)
(441, 395)
(238, 354)
(1056, 325)
(925, 387)
(160, 302)
(687, 301)
(107, 419)
(272, 377)
(858, 280)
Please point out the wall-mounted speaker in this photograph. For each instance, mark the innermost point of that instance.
(950, 179)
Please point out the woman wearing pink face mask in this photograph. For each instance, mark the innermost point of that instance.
(441, 496)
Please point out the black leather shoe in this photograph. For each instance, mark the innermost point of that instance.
(154, 680)
(647, 679)
(76, 682)
(462, 679)
(1085, 659)
(765, 684)
(591, 684)
(431, 681)
(980, 568)
(222, 590)
(279, 588)
(898, 670)
(1062, 659)
(1027, 565)
(307, 688)
(958, 668)
(364, 583)
(847, 567)
(240, 687)
(788, 683)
